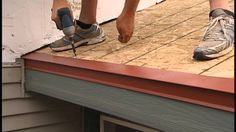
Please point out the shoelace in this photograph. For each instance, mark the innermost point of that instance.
(217, 35)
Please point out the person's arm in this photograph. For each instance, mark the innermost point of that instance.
(58, 4)
(125, 22)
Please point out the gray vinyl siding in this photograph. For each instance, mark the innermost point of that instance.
(31, 112)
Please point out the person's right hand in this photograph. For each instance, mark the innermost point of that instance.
(58, 4)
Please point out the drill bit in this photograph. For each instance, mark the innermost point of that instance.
(72, 44)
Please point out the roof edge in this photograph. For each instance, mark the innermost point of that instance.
(214, 92)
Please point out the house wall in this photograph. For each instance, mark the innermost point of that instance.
(28, 112)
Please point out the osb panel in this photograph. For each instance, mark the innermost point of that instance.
(153, 42)
(177, 56)
(224, 69)
(165, 36)
(134, 51)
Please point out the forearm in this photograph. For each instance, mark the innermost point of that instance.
(130, 7)
(125, 22)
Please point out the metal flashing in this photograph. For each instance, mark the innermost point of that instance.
(213, 92)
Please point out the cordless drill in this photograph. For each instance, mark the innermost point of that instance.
(67, 25)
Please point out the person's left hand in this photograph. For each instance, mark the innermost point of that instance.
(125, 27)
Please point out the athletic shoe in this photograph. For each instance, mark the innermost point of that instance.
(92, 35)
(218, 39)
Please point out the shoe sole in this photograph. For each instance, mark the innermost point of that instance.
(89, 41)
(213, 56)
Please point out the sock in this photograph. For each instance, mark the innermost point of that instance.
(83, 25)
(213, 12)
(229, 13)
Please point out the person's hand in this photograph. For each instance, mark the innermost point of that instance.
(125, 22)
(58, 4)
(125, 27)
